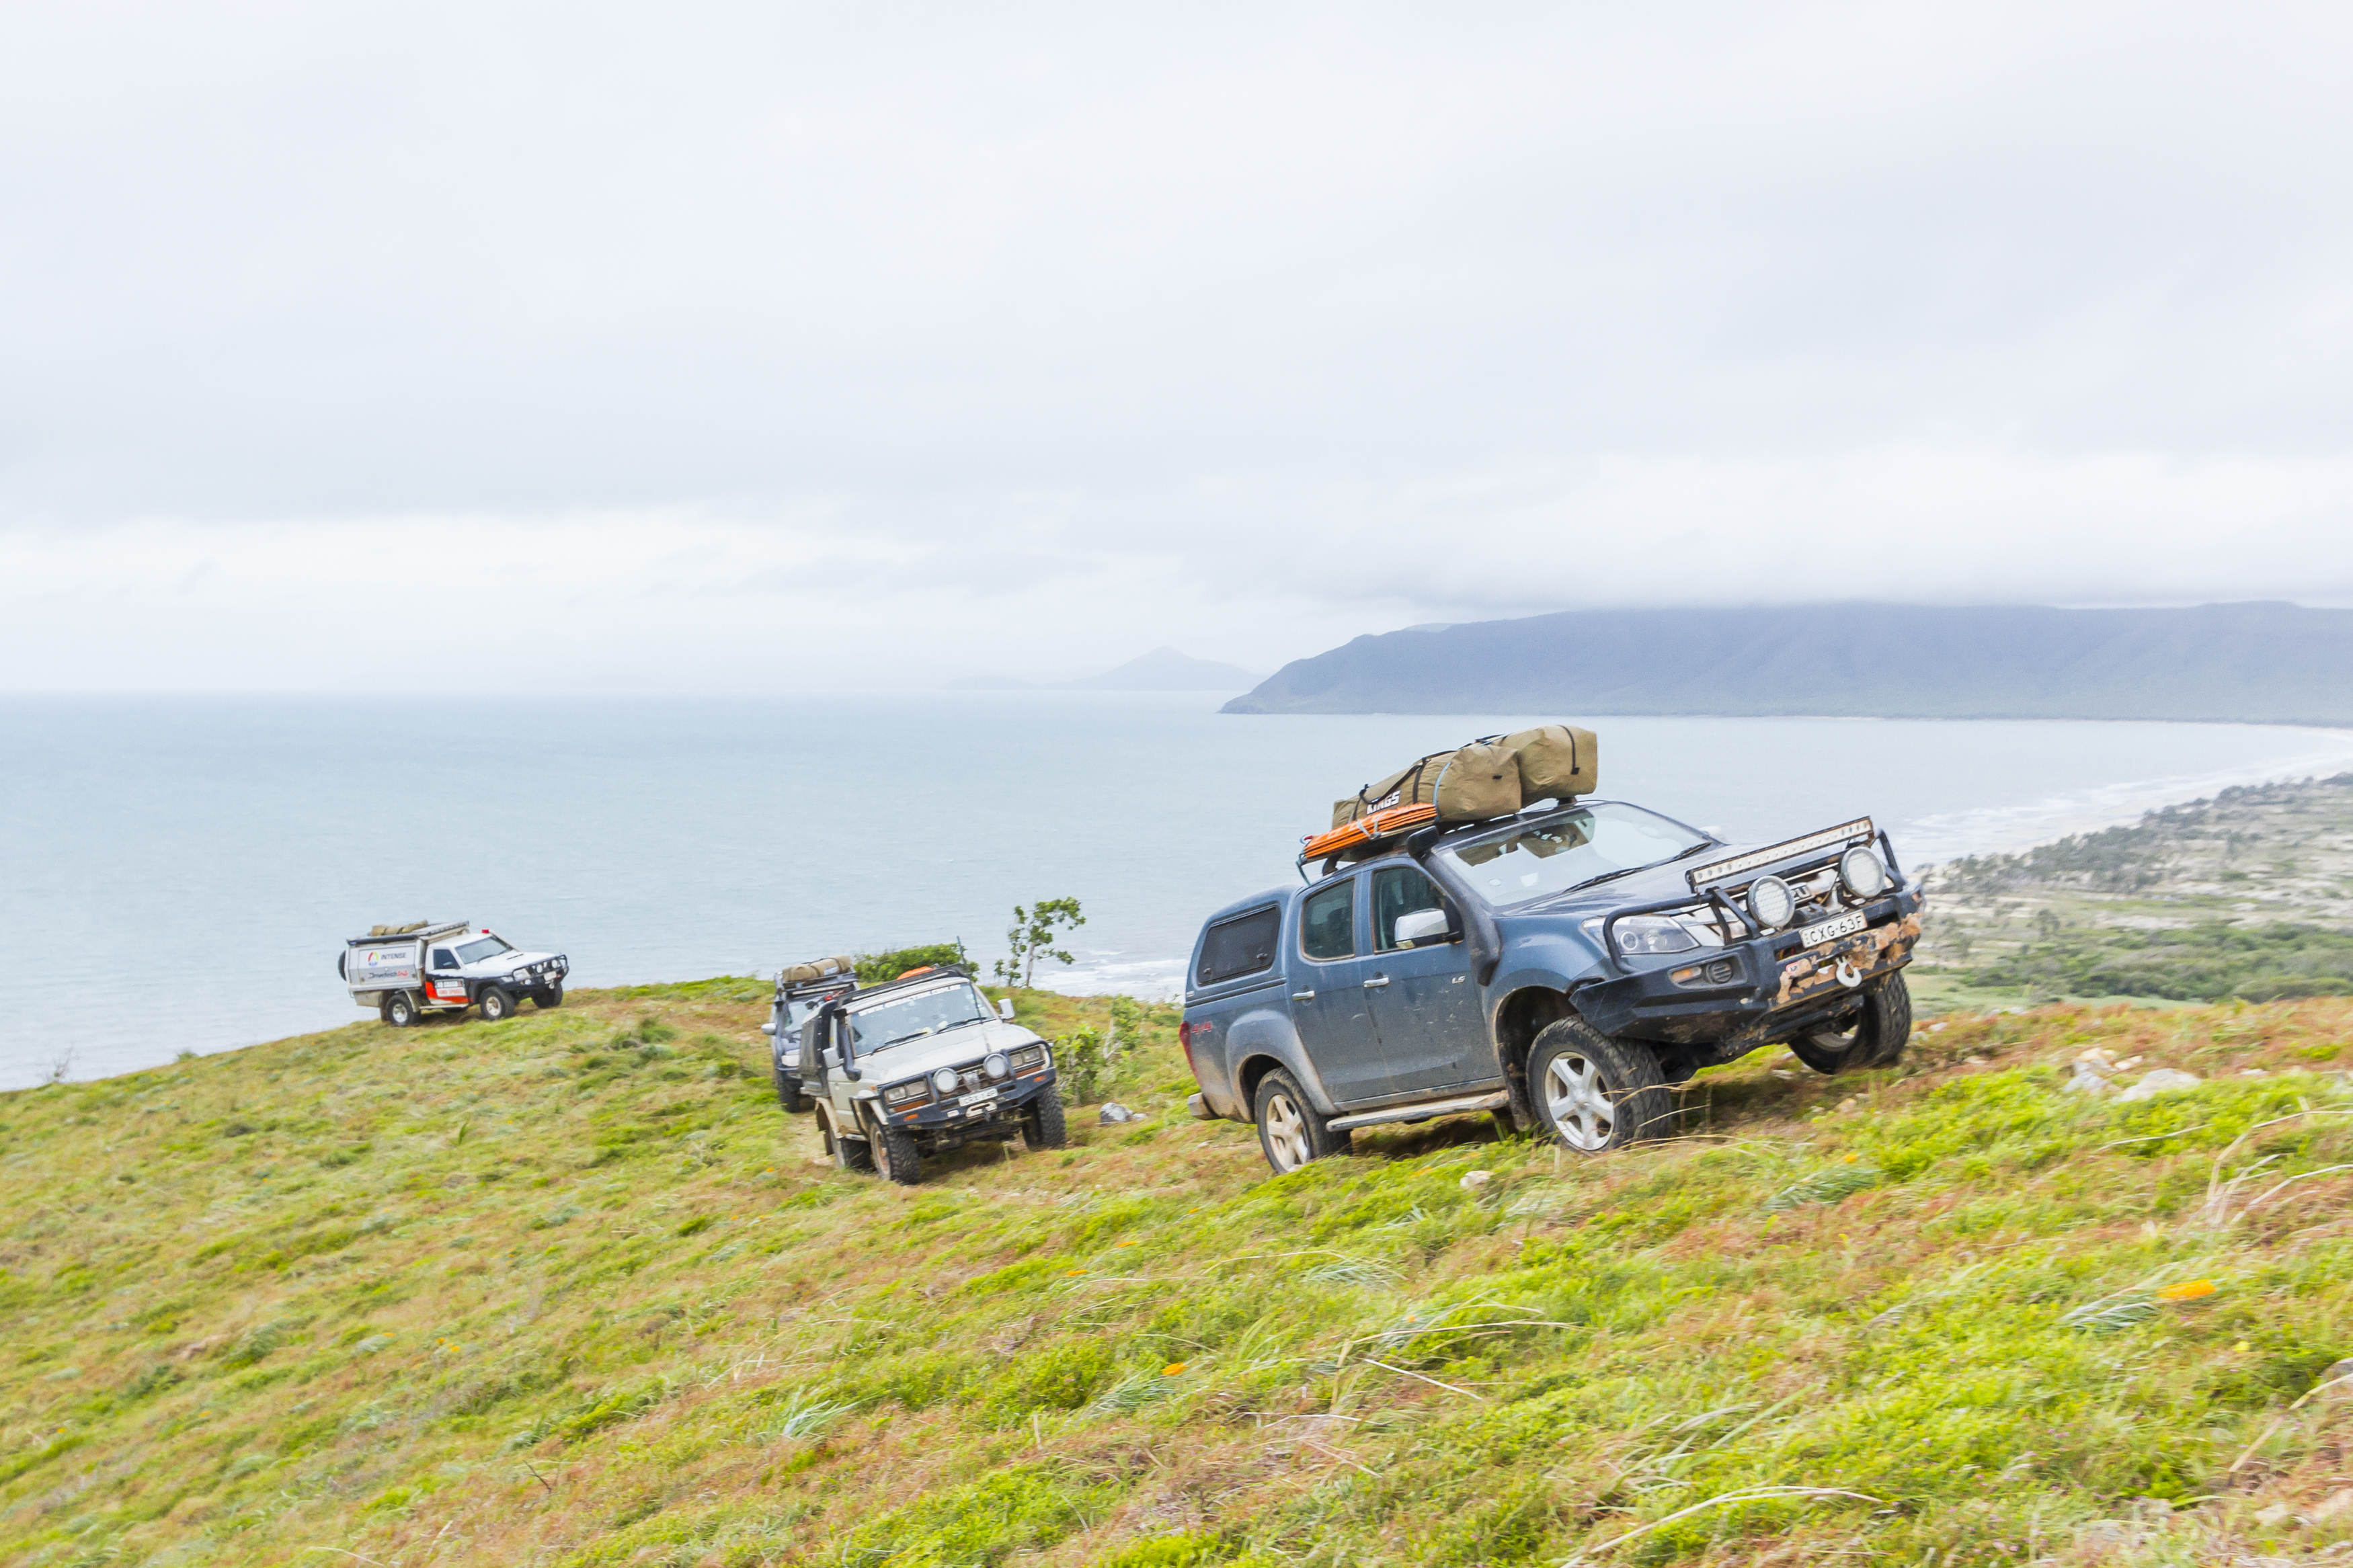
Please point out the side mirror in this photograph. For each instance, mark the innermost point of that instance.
(769, 1028)
(1422, 925)
(1005, 1008)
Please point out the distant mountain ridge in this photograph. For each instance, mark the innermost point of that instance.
(2274, 663)
(1162, 669)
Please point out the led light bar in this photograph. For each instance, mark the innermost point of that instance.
(1717, 871)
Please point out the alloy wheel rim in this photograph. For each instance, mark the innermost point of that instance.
(1286, 1133)
(1838, 1042)
(1579, 1102)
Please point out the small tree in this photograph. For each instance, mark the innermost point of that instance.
(1032, 937)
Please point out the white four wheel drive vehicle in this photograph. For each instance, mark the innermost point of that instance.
(922, 1065)
(801, 990)
(406, 972)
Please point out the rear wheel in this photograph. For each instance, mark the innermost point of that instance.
(848, 1154)
(1042, 1126)
(398, 1010)
(550, 996)
(1290, 1131)
(496, 1004)
(1874, 1038)
(1596, 1094)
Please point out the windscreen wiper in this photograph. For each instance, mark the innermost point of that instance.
(1653, 866)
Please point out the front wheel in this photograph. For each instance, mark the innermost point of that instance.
(496, 1004)
(788, 1090)
(550, 996)
(399, 1011)
(1290, 1131)
(1874, 1038)
(896, 1156)
(1596, 1094)
(1042, 1126)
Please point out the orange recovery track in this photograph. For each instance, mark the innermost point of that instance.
(1365, 829)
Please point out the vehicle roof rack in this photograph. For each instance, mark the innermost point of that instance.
(421, 931)
(928, 972)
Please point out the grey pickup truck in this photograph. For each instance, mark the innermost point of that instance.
(1560, 969)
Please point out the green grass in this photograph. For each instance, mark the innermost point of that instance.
(2209, 962)
(570, 1289)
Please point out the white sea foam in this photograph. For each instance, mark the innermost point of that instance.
(2005, 830)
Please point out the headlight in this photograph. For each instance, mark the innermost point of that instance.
(1653, 933)
(915, 1089)
(1029, 1058)
(944, 1080)
(996, 1066)
(1862, 872)
(1770, 900)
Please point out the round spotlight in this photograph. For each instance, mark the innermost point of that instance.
(1862, 872)
(944, 1080)
(996, 1066)
(1770, 900)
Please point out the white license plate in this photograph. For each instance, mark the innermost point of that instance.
(1832, 930)
(978, 1097)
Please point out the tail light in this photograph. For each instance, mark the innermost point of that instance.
(1185, 1036)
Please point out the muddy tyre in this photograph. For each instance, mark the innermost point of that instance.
(495, 1004)
(1595, 1093)
(1291, 1132)
(896, 1156)
(549, 996)
(1042, 1125)
(1874, 1038)
(399, 1011)
(788, 1090)
(848, 1154)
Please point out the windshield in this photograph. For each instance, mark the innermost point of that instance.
(1568, 849)
(476, 950)
(901, 1018)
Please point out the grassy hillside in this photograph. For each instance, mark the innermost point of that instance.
(568, 1290)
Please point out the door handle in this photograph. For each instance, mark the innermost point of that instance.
(1376, 981)
(1302, 996)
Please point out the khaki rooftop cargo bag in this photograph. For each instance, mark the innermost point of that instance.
(1493, 776)
(1557, 762)
(1479, 781)
(823, 969)
(1415, 784)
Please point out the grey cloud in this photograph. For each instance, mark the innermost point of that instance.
(1243, 313)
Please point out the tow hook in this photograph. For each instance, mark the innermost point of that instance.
(1847, 975)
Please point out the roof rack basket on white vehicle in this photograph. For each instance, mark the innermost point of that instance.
(416, 931)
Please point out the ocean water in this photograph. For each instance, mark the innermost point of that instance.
(178, 874)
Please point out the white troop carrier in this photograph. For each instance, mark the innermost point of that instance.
(406, 972)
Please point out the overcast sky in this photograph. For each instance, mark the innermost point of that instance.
(752, 348)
